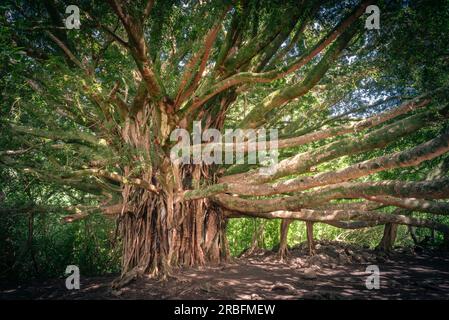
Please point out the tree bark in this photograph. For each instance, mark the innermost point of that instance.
(159, 233)
(257, 240)
(283, 245)
(310, 243)
(389, 237)
(411, 230)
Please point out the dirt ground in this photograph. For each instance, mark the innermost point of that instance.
(337, 271)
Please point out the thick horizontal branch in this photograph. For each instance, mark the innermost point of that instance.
(359, 205)
(408, 158)
(436, 189)
(109, 211)
(354, 224)
(359, 126)
(338, 224)
(435, 207)
(342, 215)
(74, 213)
(116, 177)
(12, 153)
(302, 162)
(412, 157)
(79, 137)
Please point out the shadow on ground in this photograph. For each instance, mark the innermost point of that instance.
(336, 272)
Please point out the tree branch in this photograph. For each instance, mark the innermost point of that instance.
(376, 139)
(436, 189)
(336, 216)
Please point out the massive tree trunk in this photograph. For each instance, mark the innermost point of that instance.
(159, 233)
(159, 230)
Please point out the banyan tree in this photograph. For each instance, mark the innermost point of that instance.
(362, 131)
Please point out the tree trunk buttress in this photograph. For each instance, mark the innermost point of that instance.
(159, 233)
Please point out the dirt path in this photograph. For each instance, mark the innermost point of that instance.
(335, 272)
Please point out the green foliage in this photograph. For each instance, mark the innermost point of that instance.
(240, 233)
(406, 56)
(36, 244)
(87, 244)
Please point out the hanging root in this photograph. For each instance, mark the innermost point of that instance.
(144, 242)
(283, 246)
(126, 278)
(159, 234)
(310, 241)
